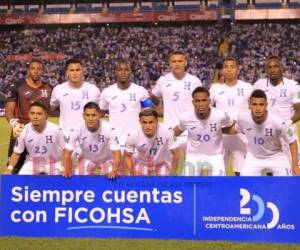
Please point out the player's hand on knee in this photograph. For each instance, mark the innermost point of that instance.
(296, 170)
(8, 171)
(112, 174)
(64, 172)
(17, 130)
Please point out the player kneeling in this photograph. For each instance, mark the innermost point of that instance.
(99, 144)
(265, 133)
(44, 142)
(151, 149)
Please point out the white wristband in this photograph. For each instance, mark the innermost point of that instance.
(10, 167)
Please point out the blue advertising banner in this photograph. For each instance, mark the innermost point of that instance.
(257, 209)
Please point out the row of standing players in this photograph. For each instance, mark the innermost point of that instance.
(263, 137)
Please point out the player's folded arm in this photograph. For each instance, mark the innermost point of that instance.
(155, 100)
(231, 130)
(177, 130)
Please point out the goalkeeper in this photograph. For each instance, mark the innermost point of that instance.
(21, 95)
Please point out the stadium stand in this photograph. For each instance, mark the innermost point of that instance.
(101, 47)
(146, 45)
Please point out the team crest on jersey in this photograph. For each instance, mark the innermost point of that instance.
(240, 92)
(49, 139)
(187, 85)
(159, 141)
(283, 93)
(213, 127)
(101, 138)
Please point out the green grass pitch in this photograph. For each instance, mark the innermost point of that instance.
(41, 243)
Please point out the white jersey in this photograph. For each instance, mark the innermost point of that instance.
(96, 145)
(231, 99)
(124, 107)
(153, 150)
(47, 145)
(71, 101)
(265, 140)
(204, 136)
(280, 97)
(176, 94)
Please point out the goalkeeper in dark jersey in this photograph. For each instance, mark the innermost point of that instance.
(21, 95)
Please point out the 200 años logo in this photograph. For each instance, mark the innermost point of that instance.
(246, 198)
(255, 214)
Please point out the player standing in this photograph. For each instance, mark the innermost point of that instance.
(123, 101)
(232, 96)
(98, 142)
(204, 125)
(265, 133)
(44, 142)
(72, 95)
(283, 94)
(21, 95)
(156, 151)
(176, 89)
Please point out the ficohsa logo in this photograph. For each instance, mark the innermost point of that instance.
(255, 214)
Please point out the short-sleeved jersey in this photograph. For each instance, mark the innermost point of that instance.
(71, 101)
(23, 95)
(47, 144)
(231, 99)
(176, 94)
(97, 145)
(124, 107)
(265, 139)
(153, 150)
(280, 97)
(204, 136)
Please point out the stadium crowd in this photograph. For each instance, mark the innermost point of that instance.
(147, 48)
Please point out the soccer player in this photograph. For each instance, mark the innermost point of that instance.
(232, 96)
(44, 142)
(265, 133)
(123, 101)
(204, 125)
(98, 142)
(157, 153)
(72, 95)
(21, 95)
(283, 94)
(176, 88)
